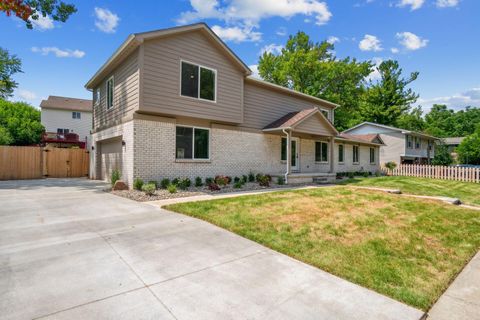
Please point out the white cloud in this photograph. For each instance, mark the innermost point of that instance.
(447, 3)
(370, 43)
(271, 48)
(42, 23)
(254, 68)
(59, 53)
(414, 4)
(394, 50)
(458, 101)
(25, 95)
(333, 40)
(106, 20)
(250, 12)
(411, 41)
(282, 31)
(375, 74)
(237, 34)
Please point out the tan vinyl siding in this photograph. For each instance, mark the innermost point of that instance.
(263, 106)
(312, 126)
(126, 93)
(161, 79)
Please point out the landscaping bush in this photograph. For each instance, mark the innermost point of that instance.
(236, 179)
(378, 173)
(175, 181)
(245, 178)
(238, 185)
(198, 182)
(366, 174)
(137, 184)
(155, 183)
(208, 181)
(213, 187)
(390, 165)
(280, 181)
(172, 188)
(251, 177)
(115, 176)
(229, 179)
(184, 184)
(164, 183)
(149, 189)
(340, 175)
(221, 180)
(263, 180)
(351, 175)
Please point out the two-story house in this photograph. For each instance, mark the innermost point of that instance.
(401, 146)
(179, 103)
(67, 121)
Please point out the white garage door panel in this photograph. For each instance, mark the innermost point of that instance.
(111, 157)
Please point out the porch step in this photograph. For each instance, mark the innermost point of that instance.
(321, 180)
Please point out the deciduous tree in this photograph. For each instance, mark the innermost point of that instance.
(19, 123)
(9, 65)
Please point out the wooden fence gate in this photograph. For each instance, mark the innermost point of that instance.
(38, 162)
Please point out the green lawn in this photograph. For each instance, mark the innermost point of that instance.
(465, 191)
(409, 249)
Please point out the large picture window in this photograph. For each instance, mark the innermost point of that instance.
(192, 143)
(110, 91)
(198, 82)
(341, 153)
(321, 151)
(356, 154)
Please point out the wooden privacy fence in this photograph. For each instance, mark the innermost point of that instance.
(38, 162)
(436, 172)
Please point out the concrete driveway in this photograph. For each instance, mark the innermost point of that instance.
(70, 251)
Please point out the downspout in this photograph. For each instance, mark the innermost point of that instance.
(288, 155)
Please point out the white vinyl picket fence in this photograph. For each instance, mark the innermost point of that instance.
(436, 172)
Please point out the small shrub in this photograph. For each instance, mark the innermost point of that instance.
(238, 185)
(164, 183)
(366, 174)
(351, 175)
(208, 181)
(263, 180)
(229, 179)
(198, 182)
(390, 165)
(258, 177)
(221, 180)
(245, 178)
(280, 181)
(184, 184)
(149, 189)
(378, 173)
(236, 179)
(137, 184)
(213, 187)
(175, 181)
(154, 183)
(115, 176)
(251, 177)
(172, 188)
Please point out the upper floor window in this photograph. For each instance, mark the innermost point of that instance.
(321, 151)
(62, 131)
(325, 113)
(409, 142)
(192, 143)
(198, 82)
(76, 115)
(110, 92)
(356, 154)
(417, 143)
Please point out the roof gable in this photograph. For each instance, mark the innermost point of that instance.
(308, 120)
(66, 103)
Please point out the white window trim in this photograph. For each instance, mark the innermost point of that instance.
(419, 142)
(328, 152)
(343, 147)
(199, 66)
(358, 154)
(96, 96)
(193, 144)
(329, 114)
(113, 93)
(374, 155)
(408, 138)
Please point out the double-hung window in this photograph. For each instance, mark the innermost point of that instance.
(341, 153)
(192, 143)
(356, 154)
(417, 143)
(76, 115)
(409, 142)
(372, 155)
(198, 82)
(321, 151)
(110, 92)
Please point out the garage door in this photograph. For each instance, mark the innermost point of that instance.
(110, 157)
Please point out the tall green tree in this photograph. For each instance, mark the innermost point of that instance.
(469, 150)
(389, 98)
(442, 156)
(19, 124)
(29, 10)
(312, 68)
(444, 122)
(9, 65)
(412, 120)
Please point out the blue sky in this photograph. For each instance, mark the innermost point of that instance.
(438, 38)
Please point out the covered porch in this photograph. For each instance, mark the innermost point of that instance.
(308, 144)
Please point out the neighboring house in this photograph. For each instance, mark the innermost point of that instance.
(67, 121)
(179, 103)
(452, 144)
(401, 146)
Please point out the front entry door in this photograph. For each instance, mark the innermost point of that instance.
(294, 163)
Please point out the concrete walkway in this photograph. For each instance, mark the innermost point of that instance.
(70, 251)
(461, 301)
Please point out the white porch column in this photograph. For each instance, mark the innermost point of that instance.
(332, 154)
(289, 152)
